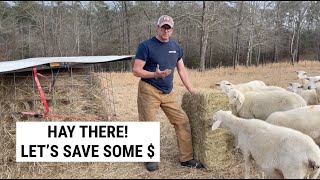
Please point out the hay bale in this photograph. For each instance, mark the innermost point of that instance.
(213, 148)
(103, 95)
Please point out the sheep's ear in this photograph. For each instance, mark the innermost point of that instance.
(290, 83)
(307, 78)
(217, 84)
(216, 125)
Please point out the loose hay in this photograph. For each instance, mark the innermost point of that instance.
(82, 94)
(213, 148)
(103, 94)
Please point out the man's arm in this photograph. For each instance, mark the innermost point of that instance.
(184, 76)
(138, 70)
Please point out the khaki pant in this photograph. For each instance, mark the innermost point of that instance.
(149, 101)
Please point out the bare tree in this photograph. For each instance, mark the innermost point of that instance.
(257, 28)
(236, 57)
(297, 15)
(126, 14)
(209, 20)
(204, 35)
(276, 31)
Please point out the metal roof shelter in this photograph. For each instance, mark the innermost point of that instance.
(65, 81)
(49, 62)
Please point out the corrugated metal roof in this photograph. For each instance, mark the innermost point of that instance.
(10, 66)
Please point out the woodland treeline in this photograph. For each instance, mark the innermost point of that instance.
(211, 33)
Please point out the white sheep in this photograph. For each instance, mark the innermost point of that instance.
(310, 96)
(279, 152)
(259, 88)
(314, 83)
(225, 86)
(260, 105)
(302, 75)
(304, 119)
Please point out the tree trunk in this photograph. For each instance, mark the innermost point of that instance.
(233, 52)
(211, 51)
(237, 43)
(59, 27)
(276, 33)
(204, 37)
(91, 31)
(123, 41)
(318, 51)
(292, 45)
(258, 55)
(249, 52)
(297, 43)
(76, 28)
(44, 35)
(129, 63)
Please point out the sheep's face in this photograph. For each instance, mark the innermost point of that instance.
(234, 96)
(313, 82)
(224, 86)
(218, 118)
(301, 74)
(313, 170)
(215, 121)
(295, 87)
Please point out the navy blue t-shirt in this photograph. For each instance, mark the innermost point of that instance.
(166, 54)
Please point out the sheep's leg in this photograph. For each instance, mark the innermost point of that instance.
(294, 173)
(315, 174)
(261, 175)
(246, 155)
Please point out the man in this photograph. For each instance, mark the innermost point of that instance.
(156, 59)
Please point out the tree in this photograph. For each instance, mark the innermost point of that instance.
(209, 20)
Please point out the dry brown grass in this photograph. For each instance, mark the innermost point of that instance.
(125, 91)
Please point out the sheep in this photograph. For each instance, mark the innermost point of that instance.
(314, 83)
(279, 152)
(304, 119)
(261, 104)
(256, 85)
(259, 88)
(302, 75)
(310, 96)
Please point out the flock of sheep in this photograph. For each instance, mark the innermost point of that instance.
(278, 128)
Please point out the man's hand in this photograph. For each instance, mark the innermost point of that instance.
(161, 74)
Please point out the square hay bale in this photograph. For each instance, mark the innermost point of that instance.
(214, 149)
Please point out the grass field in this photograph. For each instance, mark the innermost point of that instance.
(125, 94)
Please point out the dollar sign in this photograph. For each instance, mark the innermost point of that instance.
(150, 153)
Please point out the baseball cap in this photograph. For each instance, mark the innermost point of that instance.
(165, 19)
